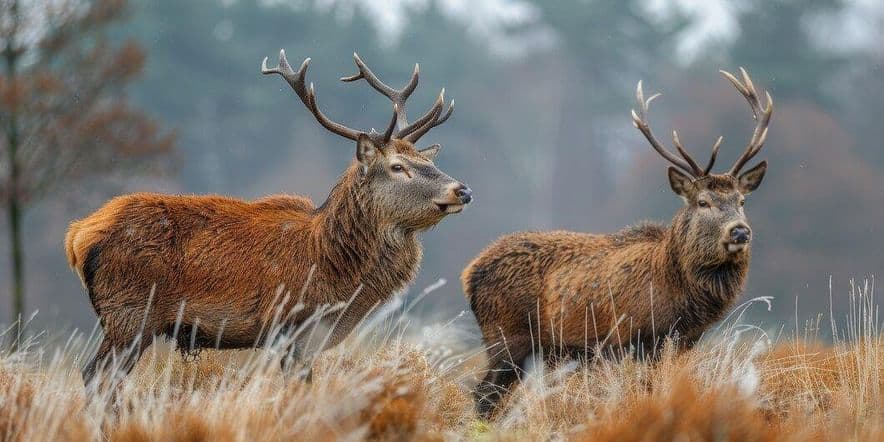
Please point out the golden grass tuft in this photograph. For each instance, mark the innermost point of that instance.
(16, 395)
(684, 412)
(814, 378)
(26, 413)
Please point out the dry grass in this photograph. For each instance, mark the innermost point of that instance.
(736, 386)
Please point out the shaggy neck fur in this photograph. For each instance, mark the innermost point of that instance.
(357, 248)
(704, 288)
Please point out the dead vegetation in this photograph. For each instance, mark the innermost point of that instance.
(736, 386)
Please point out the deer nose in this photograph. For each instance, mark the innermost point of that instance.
(740, 234)
(464, 194)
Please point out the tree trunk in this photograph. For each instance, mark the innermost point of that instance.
(14, 213)
(13, 209)
(13, 187)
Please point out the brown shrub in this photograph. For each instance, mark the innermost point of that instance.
(684, 413)
(29, 412)
(16, 398)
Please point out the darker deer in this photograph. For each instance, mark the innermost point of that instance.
(220, 271)
(573, 293)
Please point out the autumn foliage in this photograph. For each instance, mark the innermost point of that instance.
(64, 115)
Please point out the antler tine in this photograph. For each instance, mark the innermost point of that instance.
(684, 154)
(761, 114)
(420, 122)
(307, 95)
(714, 155)
(439, 118)
(446, 115)
(431, 119)
(639, 120)
(388, 134)
(397, 96)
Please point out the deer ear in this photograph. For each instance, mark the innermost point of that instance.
(431, 152)
(681, 184)
(366, 150)
(751, 179)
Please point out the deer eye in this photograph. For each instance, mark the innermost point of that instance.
(397, 168)
(742, 203)
(703, 203)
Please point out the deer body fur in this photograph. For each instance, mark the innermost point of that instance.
(217, 257)
(574, 290)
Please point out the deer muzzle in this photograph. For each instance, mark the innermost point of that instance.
(457, 197)
(739, 235)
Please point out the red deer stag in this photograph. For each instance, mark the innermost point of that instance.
(576, 291)
(213, 266)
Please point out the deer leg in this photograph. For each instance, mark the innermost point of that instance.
(578, 354)
(295, 362)
(581, 353)
(98, 362)
(111, 364)
(119, 351)
(505, 366)
(291, 355)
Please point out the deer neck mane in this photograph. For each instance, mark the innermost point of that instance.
(356, 245)
(695, 275)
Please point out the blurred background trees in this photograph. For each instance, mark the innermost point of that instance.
(542, 130)
(63, 114)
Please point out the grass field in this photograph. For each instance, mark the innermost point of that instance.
(395, 380)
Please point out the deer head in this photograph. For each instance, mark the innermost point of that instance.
(399, 182)
(714, 224)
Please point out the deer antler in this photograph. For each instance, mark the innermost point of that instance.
(760, 113)
(410, 132)
(307, 95)
(640, 121)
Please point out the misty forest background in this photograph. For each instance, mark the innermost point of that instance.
(541, 132)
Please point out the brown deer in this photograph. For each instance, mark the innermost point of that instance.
(574, 292)
(212, 268)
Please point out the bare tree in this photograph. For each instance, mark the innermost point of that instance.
(63, 113)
